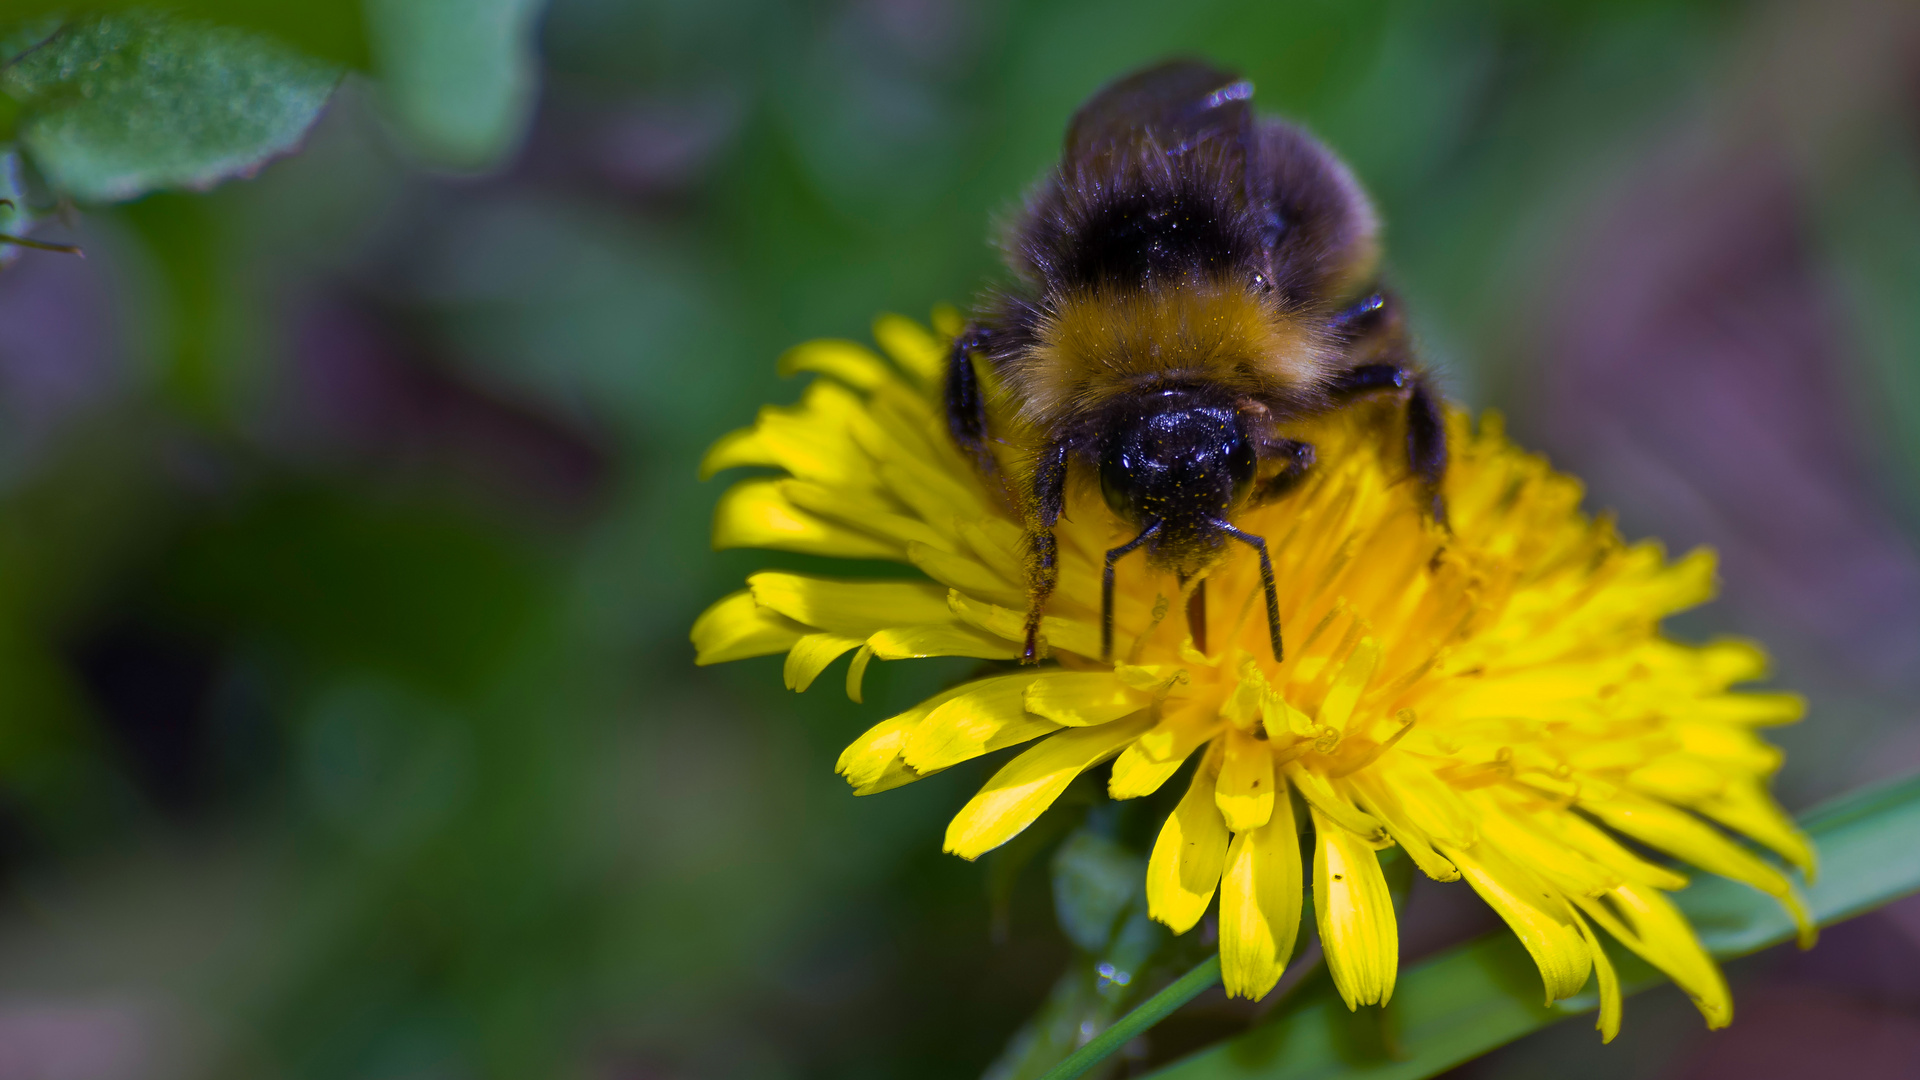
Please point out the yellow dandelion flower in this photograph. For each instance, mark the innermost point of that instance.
(1498, 702)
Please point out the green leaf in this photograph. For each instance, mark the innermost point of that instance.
(24, 33)
(117, 106)
(458, 75)
(1471, 999)
(1094, 880)
(331, 30)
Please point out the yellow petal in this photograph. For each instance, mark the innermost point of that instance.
(884, 745)
(1597, 844)
(1000, 546)
(848, 361)
(855, 608)
(1746, 807)
(1280, 718)
(1081, 699)
(1260, 898)
(811, 655)
(897, 773)
(1608, 1023)
(1160, 752)
(1355, 914)
(1680, 833)
(735, 449)
(1337, 707)
(867, 512)
(967, 575)
(985, 716)
(918, 352)
(857, 673)
(873, 753)
(755, 513)
(737, 628)
(1379, 798)
(1247, 704)
(1068, 635)
(1537, 913)
(1187, 858)
(1028, 784)
(1647, 922)
(945, 639)
(1320, 792)
(1245, 793)
(814, 439)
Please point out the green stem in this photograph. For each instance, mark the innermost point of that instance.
(1149, 1013)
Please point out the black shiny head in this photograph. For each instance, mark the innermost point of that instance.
(1181, 458)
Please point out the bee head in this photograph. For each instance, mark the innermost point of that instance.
(1180, 457)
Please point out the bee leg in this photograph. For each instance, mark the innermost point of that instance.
(1043, 570)
(1259, 545)
(1106, 587)
(1427, 446)
(966, 405)
(1297, 458)
(1426, 427)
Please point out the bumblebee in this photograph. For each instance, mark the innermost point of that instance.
(1188, 279)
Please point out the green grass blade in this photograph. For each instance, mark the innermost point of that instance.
(1149, 1013)
(1471, 999)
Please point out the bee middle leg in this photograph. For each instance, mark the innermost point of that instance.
(967, 404)
(1426, 427)
(1378, 348)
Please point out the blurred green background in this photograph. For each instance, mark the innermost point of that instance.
(350, 532)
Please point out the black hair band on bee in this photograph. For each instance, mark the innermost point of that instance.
(1106, 586)
(1259, 544)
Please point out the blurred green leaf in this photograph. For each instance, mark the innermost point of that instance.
(1094, 879)
(117, 106)
(458, 75)
(1099, 898)
(24, 31)
(1484, 994)
(15, 217)
(332, 30)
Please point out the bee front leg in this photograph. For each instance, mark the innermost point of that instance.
(1296, 459)
(1043, 568)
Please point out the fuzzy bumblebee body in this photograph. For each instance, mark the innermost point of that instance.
(1188, 278)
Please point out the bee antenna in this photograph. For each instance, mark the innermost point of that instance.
(1106, 586)
(1258, 544)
